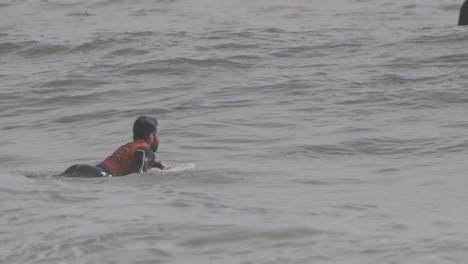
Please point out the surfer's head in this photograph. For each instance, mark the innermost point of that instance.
(146, 128)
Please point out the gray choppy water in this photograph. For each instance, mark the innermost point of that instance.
(322, 132)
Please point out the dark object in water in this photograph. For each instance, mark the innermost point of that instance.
(463, 20)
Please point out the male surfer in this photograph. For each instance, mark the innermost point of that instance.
(463, 19)
(134, 157)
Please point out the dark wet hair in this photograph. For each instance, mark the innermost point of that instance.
(143, 127)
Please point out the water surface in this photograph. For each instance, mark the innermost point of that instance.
(323, 132)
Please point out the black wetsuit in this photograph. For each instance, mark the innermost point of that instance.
(463, 19)
(143, 160)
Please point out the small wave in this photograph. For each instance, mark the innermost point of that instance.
(105, 41)
(11, 47)
(223, 35)
(389, 146)
(128, 52)
(240, 236)
(294, 51)
(80, 14)
(453, 148)
(230, 46)
(333, 150)
(395, 79)
(356, 207)
(155, 71)
(149, 12)
(450, 7)
(93, 45)
(178, 66)
(204, 62)
(432, 36)
(319, 50)
(330, 181)
(245, 57)
(104, 115)
(398, 80)
(43, 50)
(70, 100)
(137, 34)
(32, 49)
(369, 146)
(69, 83)
(8, 47)
(430, 99)
(60, 4)
(272, 30)
(39, 175)
(454, 61)
(208, 177)
(367, 98)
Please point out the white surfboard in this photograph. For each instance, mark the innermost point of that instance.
(179, 167)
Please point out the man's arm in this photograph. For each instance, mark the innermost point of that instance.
(144, 159)
(160, 165)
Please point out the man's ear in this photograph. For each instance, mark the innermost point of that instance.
(151, 138)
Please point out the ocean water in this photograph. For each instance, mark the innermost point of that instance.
(322, 131)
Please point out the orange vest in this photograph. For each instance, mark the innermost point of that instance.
(120, 162)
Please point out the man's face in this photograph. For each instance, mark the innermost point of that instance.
(155, 144)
